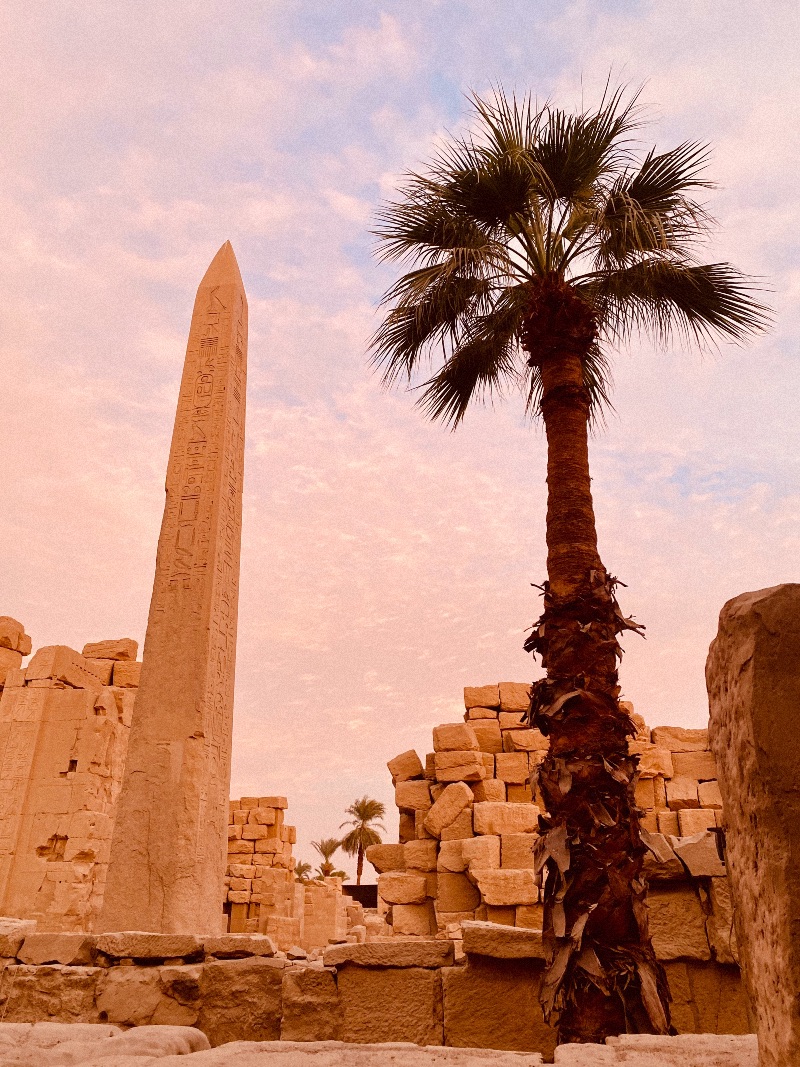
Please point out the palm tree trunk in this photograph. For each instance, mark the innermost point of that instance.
(602, 976)
(359, 864)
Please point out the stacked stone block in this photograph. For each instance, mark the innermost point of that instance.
(64, 726)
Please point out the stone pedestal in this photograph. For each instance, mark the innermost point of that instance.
(753, 677)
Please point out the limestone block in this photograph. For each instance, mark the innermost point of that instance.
(394, 953)
(487, 733)
(710, 795)
(682, 793)
(481, 853)
(460, 828)
(57, 993)
(289, 834)
(142, 996)
(420, 855)
(517, 851)
(530, 916)
(525, 741)
(405, 766)
(147, 946)
(66, 948)
(390, 1004)
(123, 649)
(660, 793)
(660, 862)
(412, 795)
(402, 887)
(653, 759)
(11, 661)
(506, 887)
(386, 857)
(677, 923)
(451, 857)
(501, 941)
(62, 664)
(280, 803)
(126, 675)
(505, 818)
(418, 920)
(515, 696)
(699, 765)
(419, 825)
(694, 820)
(502, 916)
(491, 789)
(485, 696)
(102, 668)
(12, 933)
(310, 1005)
(407, 830)
(645, 793)
(13, 636)
(488, 764)
(519, 794)
(15, 678)
(477, 999)
(709, 999)
(668, 823)
(238, 946)
(454, 737)
(241, 1000)
(475, 715)
(459, 766)
(649, 821)
(700, 855)
(719, 924)
(261, 816)
(451, 802)
(678, 739)
(456, 893)
(512, 767)
(512, 720)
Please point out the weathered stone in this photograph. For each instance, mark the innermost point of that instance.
(420, 855)
(241, 1000)
(501, 941)
(512, 767)
(67, 948)
(419, 823)
(710, 795)
(526, 741)
(145, 946)
(12, 933)
(13, 636)
(387, 857)
(451, 802)
(460, 828)
(698, 765)
(660, 862)
(709, 999)
(506, 887)
(451, 857)
(405, 766)
(474, 715)
(165, 872)
(668, 823)
(695, 820)
(530, 916)
(484, 696)
(459, 766)
(677, 923)
(238, 946)
(412, 795)
(678, 739)
(512, 720)
(391, 1004)
(645, 793)
(505, 818)
(700, 855)
(481, 853)
(310, 1005)
(654, 760)
(719, 924)
(456, 893)
(487, 734)
(515, 696)
(402, 887)
(10, 661)
(519, 794)
(407, 829)
(477, 999)
(682, 793)
(393, 953)
(517, 851)
(417, 920)
(490, 789)
(500, 916)
(123, 649)
(454, 737)
(62, 664)
(143, 996)
(58, 993)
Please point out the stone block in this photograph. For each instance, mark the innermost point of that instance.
(645, 792)
(66, 948)
(525, 741)
(13, 636)
(515, 696)
(506, 887)
(150, 996)
(700, 855)
(395, 953)
(10, 661)
(412, 796)
(505, 818)
(682, 793)
(709, 795)
(719, 924)
(517, 851)
(456, 893)
(660, 862)
(459, 766)
(487, 733)
(12, 933)
(530, 916)
(241, 1000)
(407, 829)
(238, 946)
(386, 857)
(419, 825)
(491, 789)
(668, 823)
(451, 857)
(677, 923)
(402, 887)
(519, 794)
(127, 675)
(481, 853)
(708, 998)
(146, 946)
(512, 720)
(417, 920)
(405, 766)
(453, 799)
(476, 1006)
(62, 664)
(454, 737)
(484, 696)
(460, 828)
(502, 916)
(512, 767)
(123, 649)
(698, 765)
(102, 669)
(654, 760)
(310, 1005)
(420, 855)
(262, 816)
(695, 820)
(390, 1004)
(54, 993)
(678, 739)
(279, 803)
(480, 714)
(501, 941)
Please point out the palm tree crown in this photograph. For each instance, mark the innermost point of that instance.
(326, 847)
(365, 814)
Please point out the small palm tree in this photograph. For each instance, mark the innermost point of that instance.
(355, 843)
(326, 847)
(538, 243)
(301, 871)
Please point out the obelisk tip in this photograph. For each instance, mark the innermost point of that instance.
(223, 268)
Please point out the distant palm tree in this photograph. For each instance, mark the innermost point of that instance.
(358, 840)
(538, 243)
(326, 847)
(302, 871)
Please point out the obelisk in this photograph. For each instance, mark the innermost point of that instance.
(169, 845)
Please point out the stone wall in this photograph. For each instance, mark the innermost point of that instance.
(64, 725)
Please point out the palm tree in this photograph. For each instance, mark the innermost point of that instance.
(538, 243)
(326, 847)
(356, 842)
(301, 871)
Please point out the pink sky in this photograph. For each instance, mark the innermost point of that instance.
(386, 562)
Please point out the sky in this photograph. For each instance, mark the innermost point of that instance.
(386, 562)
